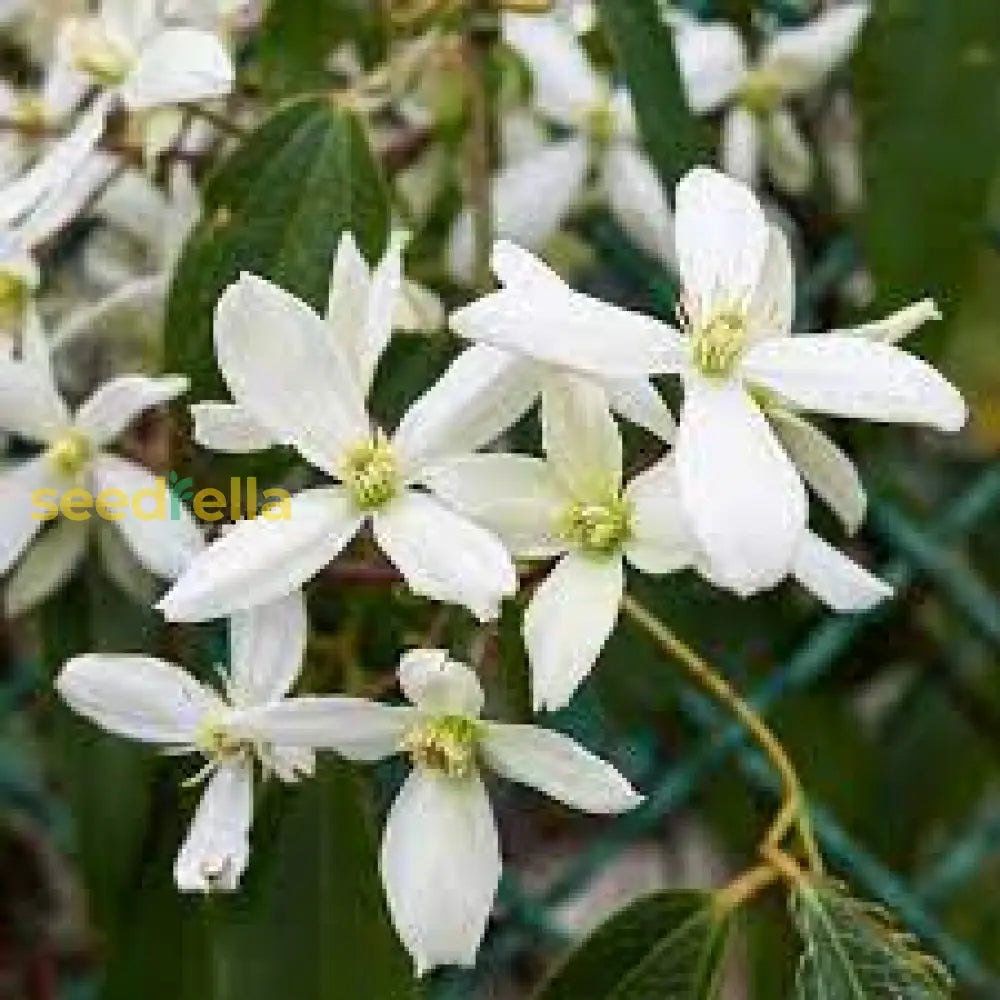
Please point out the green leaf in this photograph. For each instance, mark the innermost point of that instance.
(670, 946)
(927, 75)
(852, 952)
(644, 44)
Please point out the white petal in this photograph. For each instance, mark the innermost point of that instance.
(581, 438)
(216, 850)
(517, 497)
(789, 158)
(228, 428)
(262, 560)
(743, 497)
(179, 65)
(164, 538)
(384, 294)
(722, 239)
(546, 320)
(851, 376)
(772, 308)
(894, 328)
(445, 557)
(803, 57)
(438, 685)
(567, 623)
(441, 868)
(741, 145)
(118, 402)
(637, 200)
(285, 370)
(661, 540)
(138, 697)
(559, 767)
(837, 581)
(267, 645)
(638, 400)
(830, 473)
(46, 566)
(418, 310)
(531, 199)
(347, 306)
(30, 406)
(712, 61)
(566, 87)
(353, 727)
(18, 521)
(483, 393)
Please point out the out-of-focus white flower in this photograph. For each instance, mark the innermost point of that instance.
(303, 381)
(744, 497)
(440, 852)
(74, 457)
(717, 75)
(156, 702)
(533, 195)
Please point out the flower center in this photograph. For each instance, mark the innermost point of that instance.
(13, 295)
(104, 58)
(446, 744)
(598, 529)
(761, 91)
(371, 474)
(717, 343)
(71, 454)
(215, 742)
(599, 123)
(30, 112)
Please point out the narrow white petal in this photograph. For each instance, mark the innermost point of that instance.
(722, 238)
(228, 428)
(742, 495)
(444, 556)
(857, 377)
(46, 566)
(515, 266)
(118, 402)
(899, 325)
(267, 645)
(661, 540)
(483, 393)
(637, 200)
(803, 57)
(353, 727)
(742, 145)
(439, 685)
(712, 61)
(179, 65)
(517, 497)
(581, 438)
(30, 406)
(347, 306)
(285, 370)
(216, 850)
(19, 522)
(384, 295)
(162, 534)
(772, 307)
(638, 400)
(824, 466)
(786, 150)
(559, 767)
(441, 868)
(567, 623)
(264, 559)
(138, 697)
(836, 580)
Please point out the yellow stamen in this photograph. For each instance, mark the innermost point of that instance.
(371, 474)
(446, 744)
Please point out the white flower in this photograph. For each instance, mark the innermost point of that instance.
(302, 381)
(716, 74)
(157, 702)
(74, 456)
(745, 499)
(535, 192)
(440, 852)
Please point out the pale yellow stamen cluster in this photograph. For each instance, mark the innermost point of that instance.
(761, 91)
(597, 528)
(216, 743)
(371, 474)
(13, 295)
(446, 744)
(71, 454)
(102, 57)
(599, 123)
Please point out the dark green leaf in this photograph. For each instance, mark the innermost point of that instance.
(665, 947)
(852, 952)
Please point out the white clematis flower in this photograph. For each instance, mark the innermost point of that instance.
(153, 701)
(303, 381)
(74, 457)
(744, 497)
(440, 852)
(758, 123)
(535, 192)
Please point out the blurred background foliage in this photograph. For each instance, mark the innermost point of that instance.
(893, 718)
